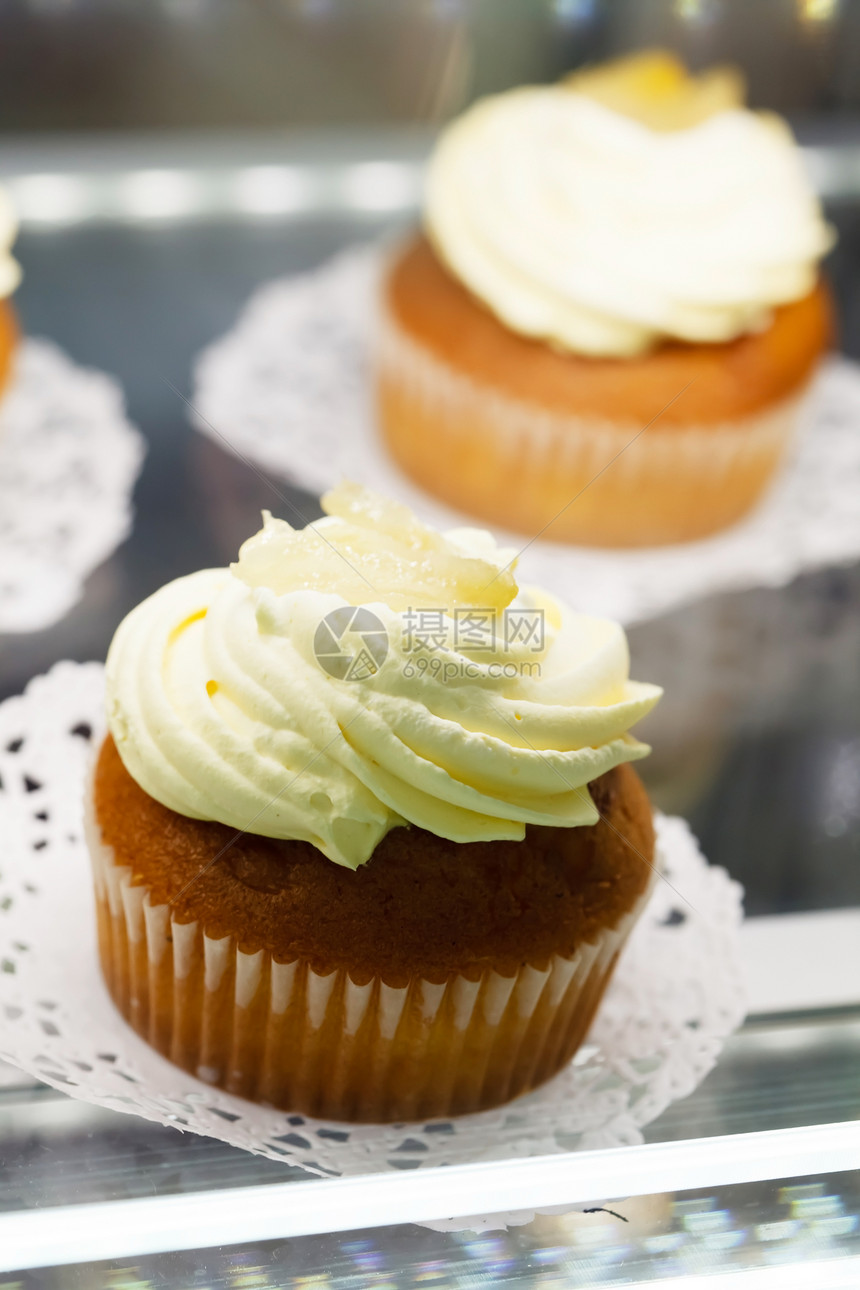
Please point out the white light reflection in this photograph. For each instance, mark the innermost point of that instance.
(696, 12)
(50, 199)
(159, 195)
(272, 190)
(381, 186)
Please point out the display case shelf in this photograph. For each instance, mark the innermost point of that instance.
(757, 1172)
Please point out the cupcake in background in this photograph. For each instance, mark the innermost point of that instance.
(608, 324)
(10, 277)
(366, 835)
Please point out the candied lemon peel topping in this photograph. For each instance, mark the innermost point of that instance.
(374, 549)
(656, 89)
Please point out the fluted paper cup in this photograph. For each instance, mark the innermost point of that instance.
(518, 465)
(338, 1046)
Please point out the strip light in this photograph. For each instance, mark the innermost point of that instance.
(357, 187)
(182, 194)
(153, 1225)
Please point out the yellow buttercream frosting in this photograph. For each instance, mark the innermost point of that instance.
(366, 672)
(624, 207)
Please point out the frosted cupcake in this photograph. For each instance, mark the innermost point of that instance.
(366, 836)
(610, 319)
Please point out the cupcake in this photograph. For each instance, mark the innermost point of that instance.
(10, 276)
(366, 835)
(606, 328)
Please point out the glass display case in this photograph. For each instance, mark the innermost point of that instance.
(139, 250)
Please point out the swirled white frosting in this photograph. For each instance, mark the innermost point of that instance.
(581, 226)
(10, 270)
(222, 710)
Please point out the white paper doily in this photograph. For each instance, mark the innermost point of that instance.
(676, 995)
(289, 389)
(68, 462)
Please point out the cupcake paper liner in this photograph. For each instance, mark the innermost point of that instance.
(480, 446)
(289, 388)
(286, 1036)
(676, 994)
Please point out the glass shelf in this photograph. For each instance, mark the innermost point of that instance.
(758, 1171)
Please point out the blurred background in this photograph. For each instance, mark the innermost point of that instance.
(267, 64)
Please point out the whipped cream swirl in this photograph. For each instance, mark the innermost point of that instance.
(222, 707)
(583, 227)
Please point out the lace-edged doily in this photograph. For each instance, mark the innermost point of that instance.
(288, 389)
(68, 462)
(675, 997)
